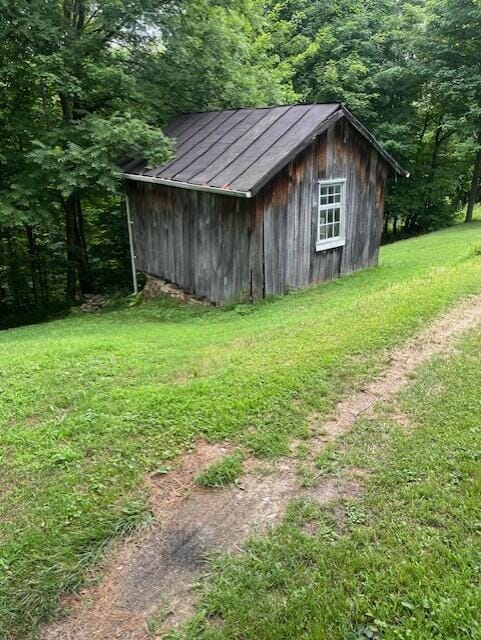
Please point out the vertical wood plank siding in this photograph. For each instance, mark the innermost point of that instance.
(198, 240)
(290, 230)
(230, 249)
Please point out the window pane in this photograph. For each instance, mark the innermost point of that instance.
(331, 199)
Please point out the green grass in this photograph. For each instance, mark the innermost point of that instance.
(403, 561)
(222, 473)
(88, 405)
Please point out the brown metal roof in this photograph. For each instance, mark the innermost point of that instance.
(237, 151)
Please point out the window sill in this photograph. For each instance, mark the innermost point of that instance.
(322, 245)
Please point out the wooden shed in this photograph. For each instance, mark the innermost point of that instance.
(257, 202)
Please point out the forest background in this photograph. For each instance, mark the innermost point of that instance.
(84, 84)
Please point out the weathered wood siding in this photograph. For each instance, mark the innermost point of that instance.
(198, 240)
(231, 249)
(290, 211)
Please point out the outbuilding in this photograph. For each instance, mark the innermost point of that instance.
(258, 202)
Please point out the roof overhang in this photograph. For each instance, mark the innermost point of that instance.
(187, 185)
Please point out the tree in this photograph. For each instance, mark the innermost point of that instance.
(217, 56)
(87, 84)
(372, 55)
(70, 86)
(454, 55)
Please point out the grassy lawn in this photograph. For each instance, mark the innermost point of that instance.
(89, 404)
(403, 561)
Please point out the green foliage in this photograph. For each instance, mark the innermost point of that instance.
(88, 85)
(382, 60)
(75, 65)
(90, 404)
(222, 473)
(454, 58)
(87, 152)
(219, 57)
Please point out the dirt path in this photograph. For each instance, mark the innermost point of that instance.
(403, 361)
(153, 574)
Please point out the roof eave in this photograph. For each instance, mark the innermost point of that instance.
(186, 185)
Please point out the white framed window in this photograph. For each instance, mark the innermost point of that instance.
(331, 221)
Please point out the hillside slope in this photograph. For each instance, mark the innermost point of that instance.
(89, 405)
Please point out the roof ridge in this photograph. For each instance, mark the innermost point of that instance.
(270, 106)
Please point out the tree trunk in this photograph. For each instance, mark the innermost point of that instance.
(38, 267)
(428, 201)
(13, 270)
(78, 268)
(85, 273)
(32, 255)
(43, 277)
(473, 192)
(72, 249)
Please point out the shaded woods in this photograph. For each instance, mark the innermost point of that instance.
(86, 84)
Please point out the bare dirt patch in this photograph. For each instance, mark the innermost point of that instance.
(153, 575)
(166, 491)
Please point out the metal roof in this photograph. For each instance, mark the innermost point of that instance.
(237, 151)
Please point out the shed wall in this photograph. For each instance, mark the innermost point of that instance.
(231, 249)
(196, 239)
(289, 211)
